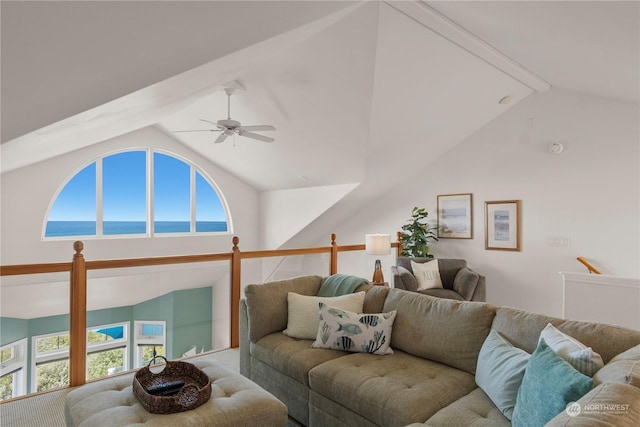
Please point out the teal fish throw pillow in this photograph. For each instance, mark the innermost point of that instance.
(359, 333)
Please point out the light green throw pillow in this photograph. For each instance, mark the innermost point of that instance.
(581, 357)
(361, 333)
(302, 320)
(548, 385)
(500, 370)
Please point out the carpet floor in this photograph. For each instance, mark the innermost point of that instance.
(47, 409)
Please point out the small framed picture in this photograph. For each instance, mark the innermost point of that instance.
(502, 225)
(455, 216)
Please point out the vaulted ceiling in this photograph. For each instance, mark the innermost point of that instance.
(348, 85)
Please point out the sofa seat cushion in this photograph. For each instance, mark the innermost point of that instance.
(393, 389)
(442, 293)
(474, 409)
(291, 356)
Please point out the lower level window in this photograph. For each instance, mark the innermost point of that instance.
(13, 367)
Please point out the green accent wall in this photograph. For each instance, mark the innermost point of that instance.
(12, 330)
(188, 315)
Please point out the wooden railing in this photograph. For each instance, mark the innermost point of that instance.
(78, 268)
(590, 267)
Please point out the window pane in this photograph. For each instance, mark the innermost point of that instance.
(54, 343)
(105, 334)
(150, 330)
(104, 363)
(52, 374)
(7, 354)
(148, 352)
(209, 211)
(74, 211)
(124, 193)
(171, 195)
(6, 386)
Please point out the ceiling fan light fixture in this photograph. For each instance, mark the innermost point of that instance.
(228, 126)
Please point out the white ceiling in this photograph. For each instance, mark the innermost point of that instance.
(334, 78)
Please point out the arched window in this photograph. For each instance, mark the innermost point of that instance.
(137, 192)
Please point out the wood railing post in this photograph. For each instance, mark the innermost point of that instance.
(78, 318)
(333, 263)
(399, 252)
(236, 268)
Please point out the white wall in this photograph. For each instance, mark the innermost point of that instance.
(590, 193)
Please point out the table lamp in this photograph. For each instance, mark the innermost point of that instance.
(378, 244)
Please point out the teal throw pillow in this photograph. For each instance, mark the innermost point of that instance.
(500, 370)
(362, 333)
(548, 385)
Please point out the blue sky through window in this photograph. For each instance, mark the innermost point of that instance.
(124, 186)
(172, 196)
(77, 200)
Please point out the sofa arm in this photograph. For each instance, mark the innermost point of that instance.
(612, 404)
(267, 307)
(245, 359)
(403, 279)
(470, 285)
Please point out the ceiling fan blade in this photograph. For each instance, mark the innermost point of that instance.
(197, 130)
(259, 127)
(220, 138)
(209, 121)
(243, 132)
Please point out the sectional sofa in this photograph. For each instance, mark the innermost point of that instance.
(430, 378)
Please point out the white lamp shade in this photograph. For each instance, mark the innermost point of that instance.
(378, 244)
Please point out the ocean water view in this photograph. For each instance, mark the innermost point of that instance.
(88, 228)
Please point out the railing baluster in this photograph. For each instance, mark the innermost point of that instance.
(236, 269)
(78, 318)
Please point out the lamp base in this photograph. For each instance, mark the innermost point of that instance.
(378, 277)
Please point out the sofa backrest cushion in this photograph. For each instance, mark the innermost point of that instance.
(523, 330)
(374, 299)
(267, 305)
(442, 330)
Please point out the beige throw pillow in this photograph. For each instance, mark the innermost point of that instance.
(427, 274)
(302, 322)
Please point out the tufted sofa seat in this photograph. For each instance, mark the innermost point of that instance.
(235, 401)
(429, 380)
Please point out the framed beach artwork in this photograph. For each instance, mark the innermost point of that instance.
(502, 225)
(455, 216)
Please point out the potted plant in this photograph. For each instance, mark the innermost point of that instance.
(417, 234)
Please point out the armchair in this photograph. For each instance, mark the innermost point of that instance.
(458, 281)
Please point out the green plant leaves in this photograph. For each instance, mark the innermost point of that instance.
(417, 234)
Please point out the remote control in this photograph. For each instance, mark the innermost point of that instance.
(170, 387)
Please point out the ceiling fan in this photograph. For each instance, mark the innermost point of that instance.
(229, 127)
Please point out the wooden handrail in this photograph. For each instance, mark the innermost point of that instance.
(18, 270)
(590, 267)
(78, 268)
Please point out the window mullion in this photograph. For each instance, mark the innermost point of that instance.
(193, 199)
(150, 189)
(99, 205)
